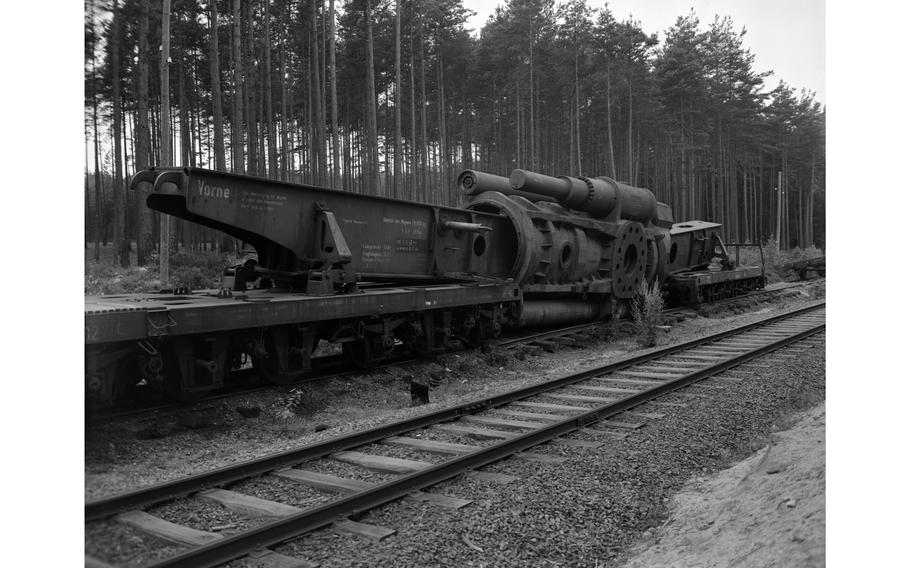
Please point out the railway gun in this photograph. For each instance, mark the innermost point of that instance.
(379, 275)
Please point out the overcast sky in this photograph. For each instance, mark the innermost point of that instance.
(786, 36)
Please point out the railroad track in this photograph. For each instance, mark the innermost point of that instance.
(602, 401)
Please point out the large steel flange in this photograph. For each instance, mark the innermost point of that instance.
(630, 254)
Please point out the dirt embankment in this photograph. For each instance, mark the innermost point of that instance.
(768, 510)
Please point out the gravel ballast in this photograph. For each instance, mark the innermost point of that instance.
(585, 511)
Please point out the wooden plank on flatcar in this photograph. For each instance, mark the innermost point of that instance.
(381, 463)
(323, 481)
(167, 530)
(431, 446)
(475, 432)
(249, 505)
(371, 532)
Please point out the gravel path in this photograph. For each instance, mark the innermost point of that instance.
(586, 511)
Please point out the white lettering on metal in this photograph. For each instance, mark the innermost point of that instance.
(213, 190)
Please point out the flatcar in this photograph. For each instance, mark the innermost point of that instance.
(379, 275)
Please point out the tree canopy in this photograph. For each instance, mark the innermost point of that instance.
(556, 87)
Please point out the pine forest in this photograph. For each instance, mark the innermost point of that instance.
(396, 97)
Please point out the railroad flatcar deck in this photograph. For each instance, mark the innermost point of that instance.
(140, 316)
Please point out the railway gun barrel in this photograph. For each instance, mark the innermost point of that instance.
(600, 197)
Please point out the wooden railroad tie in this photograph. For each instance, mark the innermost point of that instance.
(166, 530)
(381, 463)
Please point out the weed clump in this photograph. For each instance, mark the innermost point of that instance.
(300, 401)
(647, 308)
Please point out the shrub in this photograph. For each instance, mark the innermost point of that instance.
(106, 279)
(776, 261)
(198, 269)
(647, 308)
(188, 268)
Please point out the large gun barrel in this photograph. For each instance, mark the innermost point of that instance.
(475, 182)
(600, 197)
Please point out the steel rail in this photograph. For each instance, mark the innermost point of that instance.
(530, 338)
(105, 507)
(266, 535)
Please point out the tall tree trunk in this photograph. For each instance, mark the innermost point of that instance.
(99, 205)
(186, 147)
(631, 176)
(215, 68)
(414, 192)
(143, 236)
(396, 183)
(121, 245)
(249, 89)
(445, 185)
(423, 109)
(334, 95)
(577, 138)
(285, 147)
(810, 217)
(320, 166)
(372, 176)
(267, 71)
(238, 154)
(611, 162)
(532, 139)
(165, 142)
